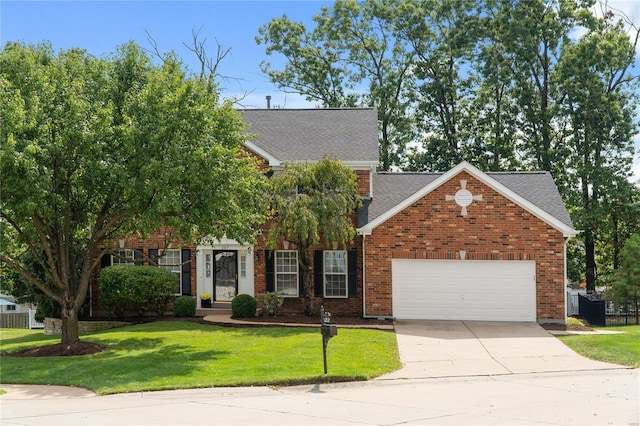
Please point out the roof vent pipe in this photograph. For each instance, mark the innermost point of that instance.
(268, 101)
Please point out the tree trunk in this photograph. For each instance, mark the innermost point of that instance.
(308, 291)
(305, 265)
(70, 333)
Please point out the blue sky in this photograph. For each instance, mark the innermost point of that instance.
(101, 26)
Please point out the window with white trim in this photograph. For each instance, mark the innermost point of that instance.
(172, 262)
(123, 257)
(286, 272)
(335, 273)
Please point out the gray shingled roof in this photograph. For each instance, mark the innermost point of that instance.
(391, 189)
(289, 135)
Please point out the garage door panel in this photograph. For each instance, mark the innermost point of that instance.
(464, 290)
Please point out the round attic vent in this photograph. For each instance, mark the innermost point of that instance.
(463, 198)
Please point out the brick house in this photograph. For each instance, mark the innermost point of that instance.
(457, 245)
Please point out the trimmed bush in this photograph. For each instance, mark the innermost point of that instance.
(272, 302)
(137, 289)
(243, 306)
(184, 306)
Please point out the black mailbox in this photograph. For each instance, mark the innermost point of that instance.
(329, 330)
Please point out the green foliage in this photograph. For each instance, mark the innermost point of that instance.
(184, 306)
(141, 289)
(96, 149)
(244, 306)
(311, 201)
(272, 302)
(626, 282)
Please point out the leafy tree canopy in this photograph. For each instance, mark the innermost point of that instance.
(95, 149)
(311, 202)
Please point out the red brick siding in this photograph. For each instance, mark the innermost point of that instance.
(494, 229)
(343, 306)
(364, 182)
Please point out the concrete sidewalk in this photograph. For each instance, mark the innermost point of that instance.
(467, 348)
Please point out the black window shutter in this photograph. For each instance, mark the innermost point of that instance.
(153, 254)
(137, 257)
(105, 261)
(352, 273)
(269, 259)
(318, 273)
(186, 271)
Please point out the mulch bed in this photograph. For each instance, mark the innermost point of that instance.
(59, 349)
(563, 327)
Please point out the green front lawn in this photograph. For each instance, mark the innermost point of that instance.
(181, 354)
(623, 349)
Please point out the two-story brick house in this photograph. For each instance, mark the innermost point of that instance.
(456, 245)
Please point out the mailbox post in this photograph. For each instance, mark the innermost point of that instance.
(328, 331)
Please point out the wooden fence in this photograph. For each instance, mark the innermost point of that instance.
(15, 320)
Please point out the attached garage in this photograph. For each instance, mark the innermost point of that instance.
(464, 290)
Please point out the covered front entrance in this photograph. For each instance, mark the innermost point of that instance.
(225, 275)
(224, 269)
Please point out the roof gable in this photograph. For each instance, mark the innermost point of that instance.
(298, 135)
(395, 192)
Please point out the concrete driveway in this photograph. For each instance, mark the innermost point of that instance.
(472, 348)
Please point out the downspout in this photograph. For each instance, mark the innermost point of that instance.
(364, 278)
(566, 281)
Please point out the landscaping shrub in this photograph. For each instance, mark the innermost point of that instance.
(184, 306)
(138, 289)
(243, 306)
(272, 302)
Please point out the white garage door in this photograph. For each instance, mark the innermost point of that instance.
(464, 290)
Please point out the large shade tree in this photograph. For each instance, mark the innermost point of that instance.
(94, 149)
(503, 84)
(313, 203)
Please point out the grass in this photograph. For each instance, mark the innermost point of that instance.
(623, 348)
(179, 354)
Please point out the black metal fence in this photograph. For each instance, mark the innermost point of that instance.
(600, 312)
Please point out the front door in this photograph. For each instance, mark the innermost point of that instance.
(225, 277)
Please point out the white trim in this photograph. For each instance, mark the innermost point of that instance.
(566, 230)
(273, 161)
(276, 272)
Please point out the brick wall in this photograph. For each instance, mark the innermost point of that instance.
(494, 229)
(364, 182)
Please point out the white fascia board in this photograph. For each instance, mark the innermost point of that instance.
(353, 165)
(566, 230)
(273, 161)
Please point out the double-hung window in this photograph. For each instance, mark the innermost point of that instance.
(172, 262)
(286, 272)
(123, 257)
(335, 273)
